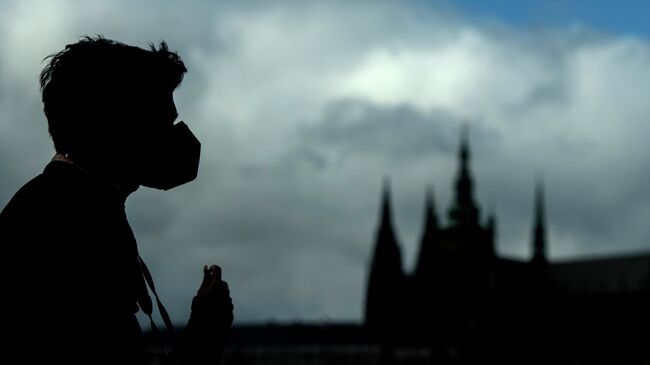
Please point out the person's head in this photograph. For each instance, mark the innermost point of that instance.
(106, 101)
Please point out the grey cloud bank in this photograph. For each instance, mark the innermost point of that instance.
(302, 109)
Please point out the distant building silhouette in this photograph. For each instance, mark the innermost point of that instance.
(387, 282)
(463, 304)
(461, 288)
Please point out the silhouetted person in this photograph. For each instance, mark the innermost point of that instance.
(72, 279)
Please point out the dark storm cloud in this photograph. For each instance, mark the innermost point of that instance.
(353, 128)
(401, 132)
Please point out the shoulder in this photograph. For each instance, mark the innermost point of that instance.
(27, 199)
(56, 195)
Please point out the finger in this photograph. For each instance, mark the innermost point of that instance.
(215, 286)
(206, 274)
(217, 290)
(212, 287)
(216, 271)
(224, 286)
(207, 280)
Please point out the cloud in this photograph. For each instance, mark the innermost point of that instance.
(302, 108)
(357, 127)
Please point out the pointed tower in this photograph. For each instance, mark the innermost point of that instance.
(386, 279)
(464, 212)
(539, 226)
(427, 242)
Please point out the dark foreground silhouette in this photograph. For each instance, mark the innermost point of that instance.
(72, 278)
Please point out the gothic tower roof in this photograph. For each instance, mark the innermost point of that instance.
(386, 275)
(464, 210)
(429, 230)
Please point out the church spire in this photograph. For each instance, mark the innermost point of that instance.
(539, 229)
(464, 211)
(386, 279)
(386, 221)
(425, 256)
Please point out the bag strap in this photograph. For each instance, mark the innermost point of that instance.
(147, 306)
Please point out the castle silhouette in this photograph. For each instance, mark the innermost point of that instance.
(462, 293)
(463, 304)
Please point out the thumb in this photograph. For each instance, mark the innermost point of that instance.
(215, 271)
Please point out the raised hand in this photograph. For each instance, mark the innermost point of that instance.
(210, 320)
(216, 295)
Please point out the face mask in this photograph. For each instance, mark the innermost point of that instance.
(172, 160)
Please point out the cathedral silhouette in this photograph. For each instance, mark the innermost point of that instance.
(463, 304)
(461, 293)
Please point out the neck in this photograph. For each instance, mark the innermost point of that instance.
(123, 189)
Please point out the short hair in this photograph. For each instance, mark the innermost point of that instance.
(89, 82)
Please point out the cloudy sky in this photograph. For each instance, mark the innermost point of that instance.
(303, 108)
